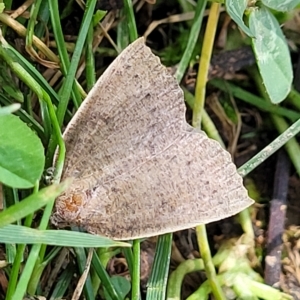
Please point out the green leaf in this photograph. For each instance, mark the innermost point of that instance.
(122, 286)
(236, 11)
(21, 153)
(98, 16)
(15, 234)
(281, 5)
(272, 54)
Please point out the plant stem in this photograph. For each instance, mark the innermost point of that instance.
(206, 53)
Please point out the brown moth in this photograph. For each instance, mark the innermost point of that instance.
(139, 169)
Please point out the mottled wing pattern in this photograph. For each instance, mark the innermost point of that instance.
(134, 111)
(139, 170)
(191, 182)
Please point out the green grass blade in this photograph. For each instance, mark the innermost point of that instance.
(193, 38)
(270, 149)
(81, 259)
(254, 100)
(128, 7)
(105, 279)
(135, 290)
(31, 203)
(25, 235)
(157, 284)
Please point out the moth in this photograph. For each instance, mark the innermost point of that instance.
(138, 168)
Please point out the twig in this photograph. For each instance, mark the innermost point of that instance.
(277, 218)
